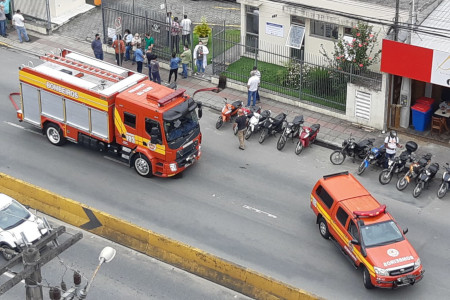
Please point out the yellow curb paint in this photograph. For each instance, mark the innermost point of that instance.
(196, 261)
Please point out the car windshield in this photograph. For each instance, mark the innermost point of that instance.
(181, 127)
(13, 215)
(379, 234)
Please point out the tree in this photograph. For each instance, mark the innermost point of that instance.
(355, 53)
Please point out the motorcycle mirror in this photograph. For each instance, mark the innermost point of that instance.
(405, 230)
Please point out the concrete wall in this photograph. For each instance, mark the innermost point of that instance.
(61, 7)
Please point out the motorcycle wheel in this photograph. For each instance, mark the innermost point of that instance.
(263, 135)
(402, 183)
(418, 189)
(442, 190)
(235, 130)
(385, 176)
(361, 168)
(281, 142)
(219, 122)
(337, 157)
(299, 148)
(248, 133)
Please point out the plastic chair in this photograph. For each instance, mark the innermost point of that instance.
(437, 124)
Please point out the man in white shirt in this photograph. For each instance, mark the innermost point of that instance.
(18, 22)
(186, 30)
(252, 86)
(391, 143)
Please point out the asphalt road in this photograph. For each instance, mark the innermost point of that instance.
(130, 275)
(250, 207)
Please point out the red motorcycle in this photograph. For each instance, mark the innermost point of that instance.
(229, 111)
(307, 137)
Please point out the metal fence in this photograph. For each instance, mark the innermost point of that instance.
(286, 71)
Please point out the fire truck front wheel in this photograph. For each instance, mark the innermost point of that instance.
(54, 134)
(142, 165)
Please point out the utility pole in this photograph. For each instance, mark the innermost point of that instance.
(397, 11)
(33, 288)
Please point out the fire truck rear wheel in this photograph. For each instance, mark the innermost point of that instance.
(366, 279)
(323, 228)
(54, 134)
(142, 165)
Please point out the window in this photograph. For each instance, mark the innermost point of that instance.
(353, 230)
(326, 198)
(149, 125)
(252, 28)
(342, 216)
(129, 119)
(298, 23)
(348, 31)
(323, 29)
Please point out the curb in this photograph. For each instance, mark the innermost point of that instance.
(193, 260)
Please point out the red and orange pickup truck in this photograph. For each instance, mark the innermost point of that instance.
(365, 232)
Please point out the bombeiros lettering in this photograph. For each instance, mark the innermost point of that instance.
(62, 90)
(398, 260)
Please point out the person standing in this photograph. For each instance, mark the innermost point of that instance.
(174, 65)
(175, 32)
(149, 40)
(186, 58)
(150, 57)
(128, 37)
(186, 30)
(6, 4)
(391, 142)
(97, 46)
(241, 123)
(139, 56)
(2, 20)
(155, 71)
(19, 22)
(201, 55)
(134, 42)
(255, 69)
(119, 48)
(252, 86)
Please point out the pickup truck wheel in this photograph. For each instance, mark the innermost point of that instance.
(323, 229)
(366, 279)
(54, 134)
(7, 255)
(142, 165)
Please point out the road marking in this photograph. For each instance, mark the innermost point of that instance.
(259, 211)
(231, 8)
(115, 160)
(21, 127)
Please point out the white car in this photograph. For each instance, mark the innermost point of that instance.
(15, 219)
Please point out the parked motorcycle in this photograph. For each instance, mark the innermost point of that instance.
(398, 163)
(443, 187)
(414, 170)
(424, 178)
(272, 126)
(229, 111)
(307, 137)
(375, 156)
(248, 112)
(352, 149)
(291, 130)
(256, 121)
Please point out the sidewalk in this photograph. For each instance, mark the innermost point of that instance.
(332, 130)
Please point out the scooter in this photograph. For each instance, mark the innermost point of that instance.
(424, 178)
(229, 111)
(272, 126)
(374, 156)
(248, 112)
(398, 164)
(443, 187)
(414, 170)
(256, 122)
(291, 130)
(352, 149)
(307, 137)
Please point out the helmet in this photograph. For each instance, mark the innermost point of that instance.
(393, 134)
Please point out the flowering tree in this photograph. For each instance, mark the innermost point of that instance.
(355, 52)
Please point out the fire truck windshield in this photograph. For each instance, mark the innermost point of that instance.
(181, 127)
(379, 234)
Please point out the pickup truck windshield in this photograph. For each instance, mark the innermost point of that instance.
(13, 215)
(181, 127)
(379, 234)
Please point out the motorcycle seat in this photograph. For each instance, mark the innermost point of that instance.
(236, 104)
(423, 162)
(434, 168)
(298, 120)
(365, 142)
(314, 128)
(265, 114)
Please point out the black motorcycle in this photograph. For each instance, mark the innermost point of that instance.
(351, 149)
(272, 126)
(376, 156)
(291, 130)
(443, 187)
(398, 164)
(424, 178)
(414, 170)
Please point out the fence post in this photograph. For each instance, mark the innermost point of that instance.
(301, 81)
(256, 52)
(105, 34)
(212, 50)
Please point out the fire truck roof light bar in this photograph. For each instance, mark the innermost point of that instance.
(65, 77)
(123, 84)
(171, 97)
(371, 213)
(99, 64)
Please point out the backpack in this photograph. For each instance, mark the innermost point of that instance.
(200, 53)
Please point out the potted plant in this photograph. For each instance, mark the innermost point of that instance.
(203, 31)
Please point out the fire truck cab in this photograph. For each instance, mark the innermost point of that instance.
(365, 232)
(109, 108)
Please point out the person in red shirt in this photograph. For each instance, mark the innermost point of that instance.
(119, 48)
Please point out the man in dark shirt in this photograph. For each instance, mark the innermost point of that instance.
(150, 56)
(241, 123)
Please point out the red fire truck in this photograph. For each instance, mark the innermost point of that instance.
(75, 97)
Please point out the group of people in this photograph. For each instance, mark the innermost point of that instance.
(17, 20)
(174, 28)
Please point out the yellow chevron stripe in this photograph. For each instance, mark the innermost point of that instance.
(118, 122)
(343, 236)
